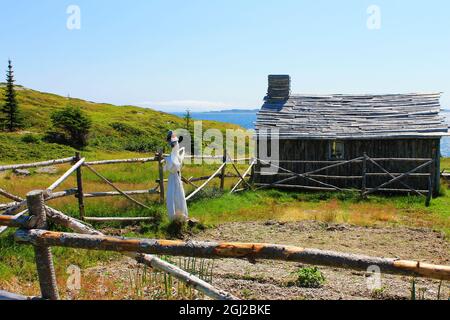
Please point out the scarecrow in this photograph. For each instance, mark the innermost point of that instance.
(176, 200)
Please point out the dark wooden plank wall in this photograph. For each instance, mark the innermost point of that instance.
(318, 150)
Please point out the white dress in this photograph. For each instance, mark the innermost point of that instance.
(176, 199)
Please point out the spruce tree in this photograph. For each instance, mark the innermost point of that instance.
(12, 119)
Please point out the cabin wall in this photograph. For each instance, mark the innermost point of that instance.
(318, 150)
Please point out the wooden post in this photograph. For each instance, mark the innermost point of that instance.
(430, 191)
(364, 177)
(252, 174)
(435, 170)
(161, 176)
(80, 194)
(43, 254)
(222, 174)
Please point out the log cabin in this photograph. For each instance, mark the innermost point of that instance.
(385, 136)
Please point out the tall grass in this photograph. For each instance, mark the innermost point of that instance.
(149, 283)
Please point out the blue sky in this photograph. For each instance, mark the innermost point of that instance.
(216, 54)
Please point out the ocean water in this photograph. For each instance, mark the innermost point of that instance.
(243, 119)
(247, 119)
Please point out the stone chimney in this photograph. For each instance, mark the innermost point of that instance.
(279, 87)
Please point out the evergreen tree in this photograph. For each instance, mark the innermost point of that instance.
(12, 119)
(188, 118)
(70, 126)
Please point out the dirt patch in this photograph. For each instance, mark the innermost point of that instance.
(269, 279)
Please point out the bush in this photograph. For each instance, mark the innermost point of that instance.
(30, 138)
(140, 144)
(70, 126)
(309, 278)
(126, 128)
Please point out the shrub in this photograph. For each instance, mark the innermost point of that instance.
(309, 278)
(30, 138)
(70, 126)
(126, 128)
(140, 144)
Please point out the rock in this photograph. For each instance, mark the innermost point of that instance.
(48, 170)
(191, 222)
(336, 228)
(21, 172)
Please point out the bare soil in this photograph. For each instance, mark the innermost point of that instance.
(270, 279)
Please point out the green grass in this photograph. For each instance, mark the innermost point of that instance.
(445, 164)
(115, 128)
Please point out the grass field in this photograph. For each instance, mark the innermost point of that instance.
(119, 132)
(211, 208)
(114, 128)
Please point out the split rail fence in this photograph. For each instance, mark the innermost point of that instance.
(319, 179)
(32, 224)
(159, 189)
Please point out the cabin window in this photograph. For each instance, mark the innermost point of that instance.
(336, 150)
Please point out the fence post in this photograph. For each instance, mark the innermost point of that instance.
(43, 254)
(161, 176)
(252, 172)
(80, 194)
(364, 177)
(430, 191)
(222, 174)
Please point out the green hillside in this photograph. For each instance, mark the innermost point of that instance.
(115, 128)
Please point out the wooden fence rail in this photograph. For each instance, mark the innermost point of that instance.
(315, 175)
(250, 251)
(80, 193)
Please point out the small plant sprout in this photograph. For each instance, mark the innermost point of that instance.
(310, 277)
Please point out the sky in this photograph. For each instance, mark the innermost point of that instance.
(216, 54)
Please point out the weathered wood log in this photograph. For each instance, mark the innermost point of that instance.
(15, 208)
(393, 177)
(243, 176)
(203, 178)
(43, 254)
(368, 174)
(69, 222)
(5, 206)
(116, 188)
(242, 179)
(399, 177)
(116, 161)
(118, 219)
(188, 181)
(66, 175)
(162, 195)
(8, 296)
(307, 175)
(4, 228)
(16, 222)
(292, 186)
(150, 260)
(222, 173)
(80, 191)
(36, 164)
(188, 278)
(61, 194)
(249, 251)
(10, 196)
(206, 182)
(114, 193)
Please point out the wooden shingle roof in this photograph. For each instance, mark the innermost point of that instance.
(354, 116)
